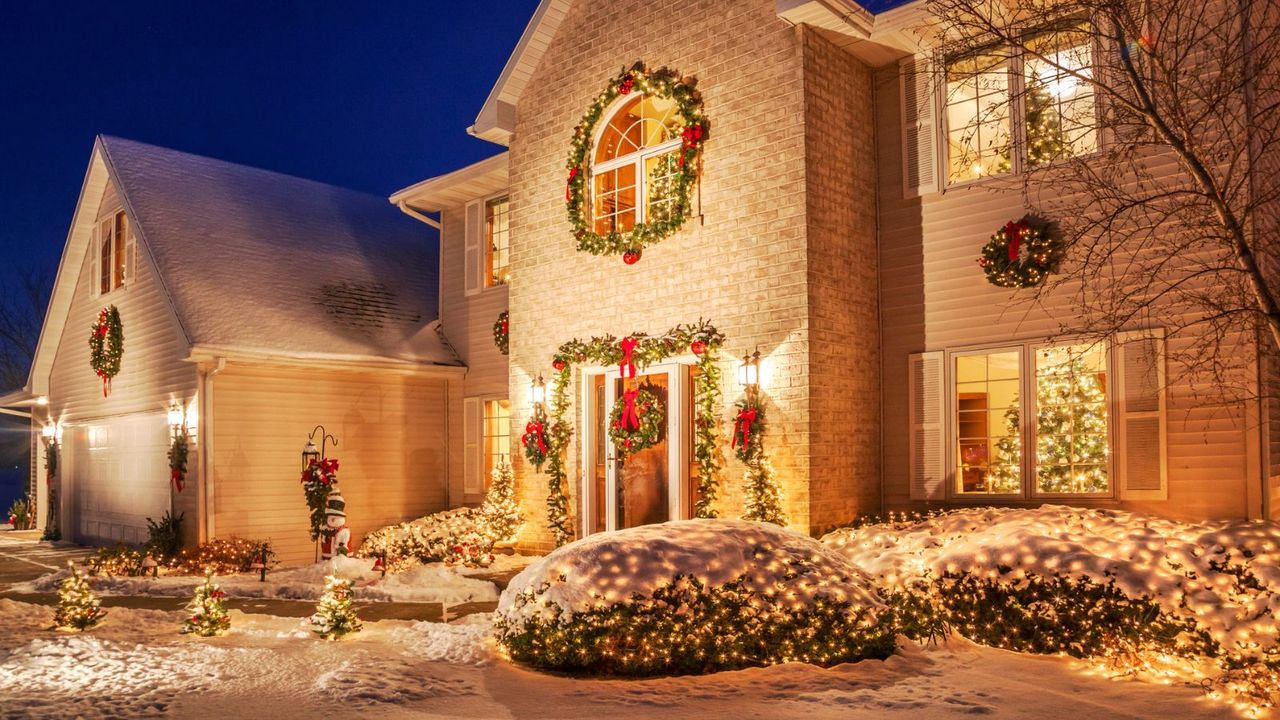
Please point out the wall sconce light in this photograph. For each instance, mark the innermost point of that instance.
(177, 421)
(749, 371)
(50, 433)
(538, 392)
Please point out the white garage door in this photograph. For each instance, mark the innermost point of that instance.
(120, 477)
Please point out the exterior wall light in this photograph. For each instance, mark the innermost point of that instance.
(538, 392)
(177, 421)
(749, 372)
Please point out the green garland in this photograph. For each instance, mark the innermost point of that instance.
(502, 332)
(178, 450)
(106, 346)
(662, 83)
(703, 340)
(649, 413)
(1024, 264)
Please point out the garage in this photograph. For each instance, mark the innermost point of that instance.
(118, 476)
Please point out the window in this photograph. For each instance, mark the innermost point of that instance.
(635, 158)
(496, 433)
(497, 259)
(1042, 86)
(113, 249)
(1065, 418)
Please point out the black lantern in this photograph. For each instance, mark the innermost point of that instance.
(310, 454)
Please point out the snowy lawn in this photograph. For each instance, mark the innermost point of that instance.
(136, 665)
(435, 582)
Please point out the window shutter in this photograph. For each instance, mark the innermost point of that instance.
(95, 261)
(1140, 414)
(474, 254)
(919, 128)
(472, 462)
(927, 449)
(130, 250)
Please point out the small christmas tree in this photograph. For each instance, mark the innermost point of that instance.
(764, 497)
(335, 615)
(208, 612)
(500, 514)
(78, 606)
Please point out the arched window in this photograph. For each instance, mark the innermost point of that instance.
(634, 158)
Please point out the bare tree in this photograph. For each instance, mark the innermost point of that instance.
(1150, 132)
(23, 298)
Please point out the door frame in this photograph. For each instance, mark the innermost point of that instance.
(678, 393)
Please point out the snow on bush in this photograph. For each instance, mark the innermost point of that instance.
(1086, 583)
(691, 596)
(455, 536)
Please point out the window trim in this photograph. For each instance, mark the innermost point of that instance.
(953, 442)
(122, 247)
(636, 158)
(485, 269)
(483, 437)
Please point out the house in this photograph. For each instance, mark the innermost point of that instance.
(830, 228)
(254, 306)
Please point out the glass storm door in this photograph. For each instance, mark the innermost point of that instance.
(649, 485)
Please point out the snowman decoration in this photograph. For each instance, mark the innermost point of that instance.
(337, 536)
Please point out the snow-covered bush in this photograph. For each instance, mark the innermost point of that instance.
(691, 596)
(464, 536)
(1089, 583)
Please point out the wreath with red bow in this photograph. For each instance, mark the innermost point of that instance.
(1021, 254)
(748, 430)
(106, 346)
(534, 441)
(679, 170)
(635, 423)
(501, 332)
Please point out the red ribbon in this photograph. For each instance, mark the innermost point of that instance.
(746, 416)
(176, 475)
(627, 365)
(1014, 231)
(630, 419)
(534, 428)
(568, 187)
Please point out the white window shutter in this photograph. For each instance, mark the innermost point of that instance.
(473, 259)
(1141, 459)
(926, 442)
(130, 250)
(95, 261)
(919, 127)
(472, 461)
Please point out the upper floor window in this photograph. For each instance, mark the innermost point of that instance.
(634, 164)
(497, 259)
(1012, 111)
(113, 251)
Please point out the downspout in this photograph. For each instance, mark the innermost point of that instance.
(206, 446)
(417, 215)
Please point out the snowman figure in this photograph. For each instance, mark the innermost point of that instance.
(337, 536)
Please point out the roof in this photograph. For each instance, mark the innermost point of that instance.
(261, 264)
(477, 180)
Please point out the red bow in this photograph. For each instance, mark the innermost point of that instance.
(627, 365)
(568, 187)
(176, 475)
(691, 136)
(630, 419)
(1014, 231)
(534, 428)
(746, 417)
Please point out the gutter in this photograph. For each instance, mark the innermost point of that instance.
(416, 215)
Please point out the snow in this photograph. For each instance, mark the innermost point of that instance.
(1171, 561)
(434, 582)
(136, 665)
(614, 566)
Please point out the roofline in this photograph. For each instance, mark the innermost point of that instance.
(210, 353)
(489, 121)
(406, 196)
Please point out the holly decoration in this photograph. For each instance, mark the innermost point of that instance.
(208, 610)
(106, 346)
(501, 332)
(748, 430)
(534, 441)
(178, 449)
(661, 83)
(317, 482)
(1020, 254)
(635, 423)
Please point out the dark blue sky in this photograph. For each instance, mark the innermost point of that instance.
(368, 95)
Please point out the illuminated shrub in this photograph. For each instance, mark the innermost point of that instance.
(689, 597)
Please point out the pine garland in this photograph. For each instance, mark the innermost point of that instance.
(78, 606)
(106, 346)
(178, 450)
(208, 610)
(335, 614)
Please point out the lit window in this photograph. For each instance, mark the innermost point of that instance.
(1059, 107)
(112, 249)
(635, 158)
(988, 423)
(497, 222)
(497, 435)
(978, 137)
(1072, 448)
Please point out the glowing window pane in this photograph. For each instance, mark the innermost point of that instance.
(1059, 105)
(1072, 431)
(988, 424)
(977, 111)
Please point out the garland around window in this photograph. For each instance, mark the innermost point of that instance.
(106, 346)
(663, 83)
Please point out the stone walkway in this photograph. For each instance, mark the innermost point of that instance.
(22, 560)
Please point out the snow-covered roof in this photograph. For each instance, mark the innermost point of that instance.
(263, 263)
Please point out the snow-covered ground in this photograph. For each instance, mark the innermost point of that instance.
(136, 665)
(435, 582)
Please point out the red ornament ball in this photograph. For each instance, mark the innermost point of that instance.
(631, 257)
(558, 364)
(697, 347)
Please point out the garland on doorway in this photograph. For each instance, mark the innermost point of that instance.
(1020, 254)
(502, 332)
(178, 449)
(106, 346)
(638, 351)
(662, 83)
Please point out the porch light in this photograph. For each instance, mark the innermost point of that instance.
(51, 432)
(538, 392)
(42, 400)
(749, 371)
(177, 420)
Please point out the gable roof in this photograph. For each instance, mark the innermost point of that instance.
(261, 264)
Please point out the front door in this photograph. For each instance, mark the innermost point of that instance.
(649, 486)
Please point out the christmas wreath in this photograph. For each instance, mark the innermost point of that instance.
(635, 422)
(106, 346)
(501, 331)
(748, 430)
(1021, 254)
(679, 172)
(534, 441)
(178, 450)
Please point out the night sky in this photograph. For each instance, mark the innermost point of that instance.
(370, 96)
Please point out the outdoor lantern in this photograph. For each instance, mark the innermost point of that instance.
(538, 392)
(259, 564)
(310, 454)
(176, 420)
(50, 433)
(149, 563)
(749, 371)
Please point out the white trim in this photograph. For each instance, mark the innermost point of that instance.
(1123, 416)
